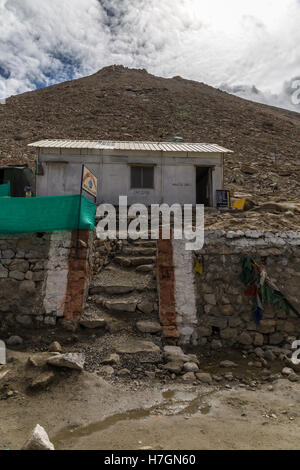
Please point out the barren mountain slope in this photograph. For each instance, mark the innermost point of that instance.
(126, 104)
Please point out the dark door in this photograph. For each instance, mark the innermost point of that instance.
(203, 186)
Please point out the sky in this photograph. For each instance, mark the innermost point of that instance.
(246, 47)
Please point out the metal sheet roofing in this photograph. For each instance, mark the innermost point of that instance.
(133, 146)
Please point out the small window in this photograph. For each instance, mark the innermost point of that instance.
(142, 177)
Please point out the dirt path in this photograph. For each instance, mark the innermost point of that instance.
(82, 411)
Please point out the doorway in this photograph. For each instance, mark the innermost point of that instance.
(204, 185)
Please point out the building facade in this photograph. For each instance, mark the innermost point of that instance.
(145, 172)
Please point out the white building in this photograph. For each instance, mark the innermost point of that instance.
(146, 172)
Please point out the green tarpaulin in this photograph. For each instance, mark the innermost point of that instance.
(45, 214)
(4, 190)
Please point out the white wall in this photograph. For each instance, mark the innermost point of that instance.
(174, 176)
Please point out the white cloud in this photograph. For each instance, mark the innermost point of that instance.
(222, 43)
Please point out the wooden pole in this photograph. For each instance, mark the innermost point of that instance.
(79, 212)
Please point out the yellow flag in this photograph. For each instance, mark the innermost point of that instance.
(240, 204)
(198, 268)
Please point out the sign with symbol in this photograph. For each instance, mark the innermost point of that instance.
(89, 182)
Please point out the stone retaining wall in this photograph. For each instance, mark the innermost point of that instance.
(41, 278)
(212, 309)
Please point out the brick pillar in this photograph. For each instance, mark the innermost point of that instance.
(166, 290)
(78, 276)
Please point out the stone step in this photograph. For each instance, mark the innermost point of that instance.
(92, 323)
(140, 261)
(144, 243)
(145, 268)
(113, 322)
(137, 251)
(118, 305)
(135, 261)
(146, 326)
(113, 289)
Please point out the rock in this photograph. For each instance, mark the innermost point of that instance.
(123, 261)
(146, 268)
(93, 323)
(175, 367)
(14, 341)
(69, 360)
(216, 344)
(189, 377)
(245, 339)
(248, 170)
(190, 367)
(42, 381)
(38, 440)
(121, 305)
(229, 376)
(32, 362)
(259, 352)
(68, 325)
(210, 299)
(148, 327)
(111, 289)
(106, 370)
(3, 374)
(276, 338)
(204, 377)
(175, 353)
(113, 359)
(258, 339)
(287, 371)
(55, 347)
(227, 364)
(293, 377)
(27, 288)
(123, 372)
(137, 346)
(146, 306)
(269, 355)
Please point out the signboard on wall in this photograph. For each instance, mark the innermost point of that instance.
(89, 182)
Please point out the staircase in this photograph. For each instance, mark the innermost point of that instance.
(123, 295)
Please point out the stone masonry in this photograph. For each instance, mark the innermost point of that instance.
(41, 278)
(219, 314)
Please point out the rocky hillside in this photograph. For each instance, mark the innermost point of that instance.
(126, 104)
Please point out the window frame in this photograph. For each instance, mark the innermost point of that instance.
(142, 166)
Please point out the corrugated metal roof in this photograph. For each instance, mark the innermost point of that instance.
(134, 145)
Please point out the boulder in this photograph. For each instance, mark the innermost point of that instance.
(42, 381)
(175, 353)
(38, 440)
(14, 341)
(174, 367)
(189, 377)
(190, 367)
(146, 268)
(55, 347)
(204, 377)
(92, 323)
(287, 371)
(106, 370)
(146, 306)
(69, 360)
(137, 346)
(148, 326)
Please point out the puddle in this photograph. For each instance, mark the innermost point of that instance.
(175, 403)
